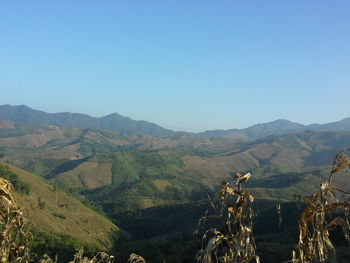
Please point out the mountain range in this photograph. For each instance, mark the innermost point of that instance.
(154, 185)
(125, 125)
(92, 158)
(114, 121)
(277, 127)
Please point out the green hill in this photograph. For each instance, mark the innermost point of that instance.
(51, 210)
(132, 179)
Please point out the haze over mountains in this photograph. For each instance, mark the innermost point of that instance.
(113, 121)
(125, 125)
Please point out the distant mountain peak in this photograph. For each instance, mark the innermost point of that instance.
(282, 121)
(114, 121)
(114, 114)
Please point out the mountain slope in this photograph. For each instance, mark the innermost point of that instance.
(341, 125)
(115, 122)
(277, 127)
(68, 151)
(299, 152)
(51, 210)
(42, 148)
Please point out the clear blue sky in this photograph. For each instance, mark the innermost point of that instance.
(185, 65)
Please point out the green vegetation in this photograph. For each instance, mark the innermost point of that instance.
(54, 244)
(59, 215)
(17, 183)
(44, 167)
(89, 146)
(41, 203)
(129, 197)
(137, 180)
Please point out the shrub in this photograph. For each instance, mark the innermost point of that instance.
(59, 215)
(17, 183)
(41, 203)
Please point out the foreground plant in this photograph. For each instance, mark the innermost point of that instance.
(314, 244)
(100, 257)
(232, 241)
(14, 237)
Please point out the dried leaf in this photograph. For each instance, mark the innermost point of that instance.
(243, 178)
(235, 236)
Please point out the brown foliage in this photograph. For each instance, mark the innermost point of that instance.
(13, 237)
(314, 244)
(233, 240)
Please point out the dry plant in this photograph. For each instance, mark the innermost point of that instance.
(134, 258)
(79, 257)
(279, 214)
(14, 237)
(233, 240)
(100, 257)
(314, 243)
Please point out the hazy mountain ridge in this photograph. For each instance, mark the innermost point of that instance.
(125, 125)
(113, 121)
(277, 127)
